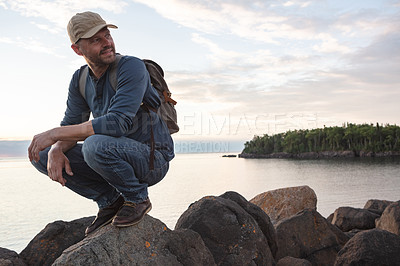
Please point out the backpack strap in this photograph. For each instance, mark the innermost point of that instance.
(82, 80)
(112, 76)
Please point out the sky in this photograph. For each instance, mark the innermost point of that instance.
(236, 68)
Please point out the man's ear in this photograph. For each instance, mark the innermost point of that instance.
(76, 49)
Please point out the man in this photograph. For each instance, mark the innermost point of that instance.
(112, 166)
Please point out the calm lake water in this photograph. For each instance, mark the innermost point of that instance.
(29, 200)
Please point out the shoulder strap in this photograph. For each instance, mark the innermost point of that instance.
(82, 80)
(112, 76)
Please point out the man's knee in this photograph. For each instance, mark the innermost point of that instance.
(94, 147)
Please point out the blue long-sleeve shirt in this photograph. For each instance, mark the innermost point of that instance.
(119, 113)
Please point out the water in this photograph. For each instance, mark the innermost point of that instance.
(29, 200)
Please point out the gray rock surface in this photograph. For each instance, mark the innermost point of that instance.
(148, 243)
(377, 206)
(348, 218)
(308, 235)
(390, 219)
(48, 245)
(290, 261)
(285, 202)
(371, 247)
(10, 258)
(259, 215)
(230, 233)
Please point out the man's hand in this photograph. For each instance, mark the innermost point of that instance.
(65, 133)
(39, 143)
(57, 161)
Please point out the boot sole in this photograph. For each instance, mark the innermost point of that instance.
(134, 222)
(101, 226)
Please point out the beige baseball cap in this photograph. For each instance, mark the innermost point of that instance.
(85, 25)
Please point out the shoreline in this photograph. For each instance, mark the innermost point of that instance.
(320, 155)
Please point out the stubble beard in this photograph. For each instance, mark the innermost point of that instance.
(101, 60)
(106, 59)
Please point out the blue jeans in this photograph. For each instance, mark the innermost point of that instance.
(106, 167)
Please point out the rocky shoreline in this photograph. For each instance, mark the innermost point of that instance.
(279, 227)
(320, 155)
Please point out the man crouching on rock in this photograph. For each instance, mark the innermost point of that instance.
(112, 166)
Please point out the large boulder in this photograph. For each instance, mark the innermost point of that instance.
(390, 219)
(148, 243)
(290, 261)
(10, 258)
(231, 234)
(348, 218)
(286, 202)
(377, 206)
(259, 215)
(308, 235)
(371, 247)
(48, 245)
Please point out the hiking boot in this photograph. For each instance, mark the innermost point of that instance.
(105, 216)
(131, 213)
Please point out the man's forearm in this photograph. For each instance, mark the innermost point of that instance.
(73, 132)
(64, 145)
(67, 135)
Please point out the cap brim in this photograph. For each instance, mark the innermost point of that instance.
(96, 29)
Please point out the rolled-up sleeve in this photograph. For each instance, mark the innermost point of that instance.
(77, 109)
(132, 83)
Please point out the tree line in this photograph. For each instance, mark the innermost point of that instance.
(353, 137)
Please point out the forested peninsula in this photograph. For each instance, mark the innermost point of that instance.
(349, 140)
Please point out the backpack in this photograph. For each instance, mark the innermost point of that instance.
(166, 111)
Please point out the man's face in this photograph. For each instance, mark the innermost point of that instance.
(99, 49)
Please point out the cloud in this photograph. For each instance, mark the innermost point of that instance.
(297, 3)
(255, 21)
(330, 44)
(47, 27)
(3, 5)
(59, 12)
(31, 44)
(355, 85)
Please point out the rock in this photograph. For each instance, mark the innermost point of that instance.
(347, 218)
(308, 235)
(336, 154)
(48, 245)
(371, 247)
(390, 219)
(307, 155)
(280, 155)
(366, 154)
(387, 154)
(148, 243)
(286, 202)
(304, 155)
(377, 206)
(230, 233)
(10, 258)
(330, 218)
(353, 232)
(189, 247)
(290, 261)
(259, 215)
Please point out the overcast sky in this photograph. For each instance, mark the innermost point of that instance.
(237, 68)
